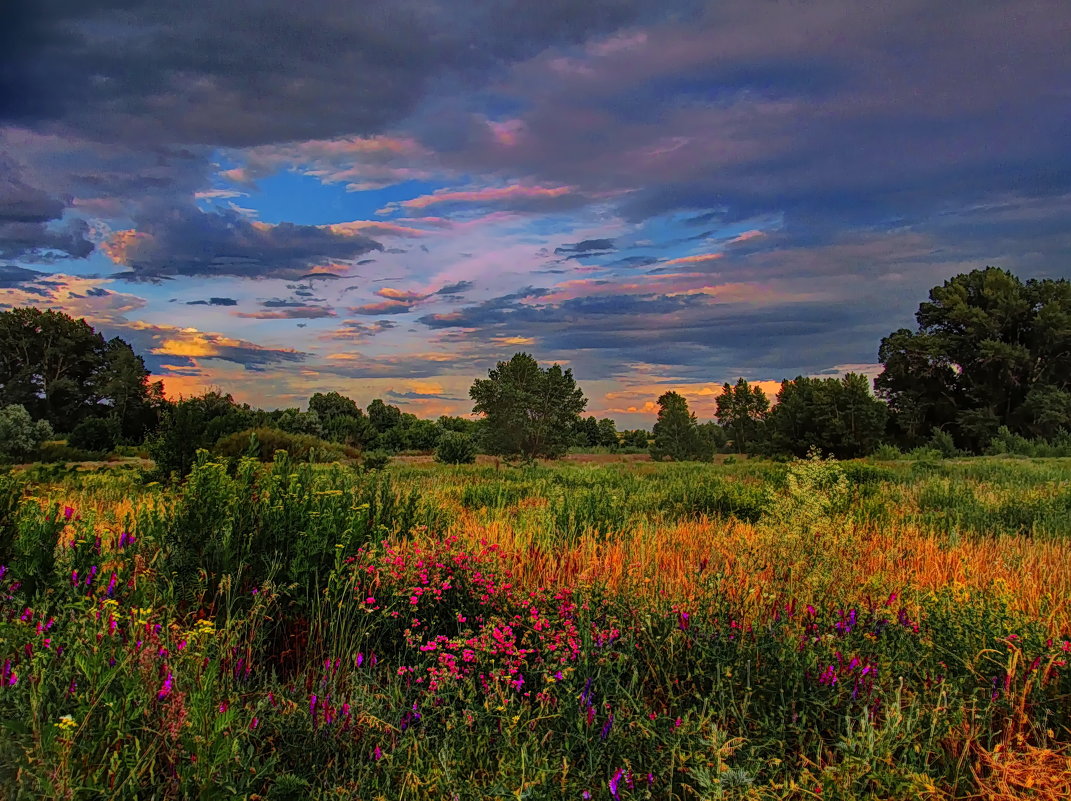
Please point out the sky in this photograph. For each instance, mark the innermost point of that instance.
(386, 198)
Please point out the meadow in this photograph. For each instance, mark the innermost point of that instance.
(633, 630)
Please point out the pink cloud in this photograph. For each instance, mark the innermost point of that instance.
(699, 259)
(514, 193)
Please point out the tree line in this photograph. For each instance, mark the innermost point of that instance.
(989, 361)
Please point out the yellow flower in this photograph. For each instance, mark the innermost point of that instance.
(65, 724)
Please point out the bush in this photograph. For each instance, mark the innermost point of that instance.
(97, 434)
(20, 435)
(375, 460)
(262, 443)
(455, 448)
(58, 451)
(887, 453)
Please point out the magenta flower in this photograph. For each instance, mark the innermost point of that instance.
(166, 687)
(615, 780)
(68, 512)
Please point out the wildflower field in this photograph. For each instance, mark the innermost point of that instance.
(811, 630)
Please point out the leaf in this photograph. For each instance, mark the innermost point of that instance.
(17, 726)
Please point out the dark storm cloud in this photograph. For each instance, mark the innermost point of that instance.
(204, 72)
(588, 247)
(835, 114)
(390, 393)
(355, 331)
(29, 221)
(456, 288)
(14, 277)
(213, 302)
(185, 241)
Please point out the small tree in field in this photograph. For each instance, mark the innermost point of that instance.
(530, 411)
(21, 435)
(676, 434)
(455, 448)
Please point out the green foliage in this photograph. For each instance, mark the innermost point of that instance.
(676, 433)
(96, 434)
(455, 448)
(838, 416)
(1005, 442)
(989, 351)
(61, 371)
(713, 497)
(383, 416)
(493, 495)
(742, 410)
(530, 411)
(375, 460)
(262, 444)
(20, 435)
(637, 438)
(192, 424)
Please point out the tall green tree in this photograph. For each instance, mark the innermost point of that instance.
(990, 350)
(342, 419)
(676, 433)
(530, 411)
(61, 370)
(50, 364)
(742, 411)
(838, 416)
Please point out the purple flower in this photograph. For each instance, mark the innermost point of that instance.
(615, 781)
(111, 586)
(377, 754)
(3, 571)
(606, 727)
(68, 512)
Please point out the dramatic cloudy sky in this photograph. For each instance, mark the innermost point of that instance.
(386, 197)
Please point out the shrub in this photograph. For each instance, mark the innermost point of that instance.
(375, 460)
(455, 448)
(58, 451)
(262, 443)
(887, 453)
(20, 435)
(97, 434)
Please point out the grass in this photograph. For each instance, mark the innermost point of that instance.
(625, 630)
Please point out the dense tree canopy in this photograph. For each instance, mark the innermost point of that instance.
(741, 411)
(530, 411)
(838, 416)
(60, 370)
(990, 351)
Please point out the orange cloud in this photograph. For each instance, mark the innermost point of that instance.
(120, 243)
(376, 227)
(399, 294)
